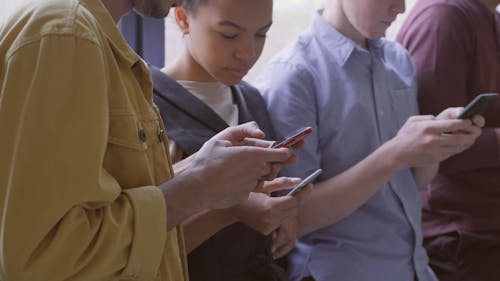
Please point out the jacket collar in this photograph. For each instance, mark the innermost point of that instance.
(168, 89)
(116, 40)
(340, 47)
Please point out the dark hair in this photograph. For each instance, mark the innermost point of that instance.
(191, 5)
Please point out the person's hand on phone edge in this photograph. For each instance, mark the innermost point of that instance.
(238, 135)
(285, 236)
(472, 132)
(264, 213)
(227, 173)
(452, 113)
(249, 134)
(425, 139)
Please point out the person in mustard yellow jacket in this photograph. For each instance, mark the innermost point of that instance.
(86, 187)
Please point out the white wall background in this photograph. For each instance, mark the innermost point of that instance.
(291, 17)
(6, 7)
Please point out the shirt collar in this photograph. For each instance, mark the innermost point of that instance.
(341, 47)
(109, 27)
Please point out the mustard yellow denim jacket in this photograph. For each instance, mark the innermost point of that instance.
(82, 149)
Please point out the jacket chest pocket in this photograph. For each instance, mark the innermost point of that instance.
(136, 153)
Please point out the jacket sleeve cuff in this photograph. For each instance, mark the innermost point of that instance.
(150, 228)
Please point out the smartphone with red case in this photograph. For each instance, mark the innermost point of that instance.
(293, 137)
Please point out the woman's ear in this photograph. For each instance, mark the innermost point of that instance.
(181, 19)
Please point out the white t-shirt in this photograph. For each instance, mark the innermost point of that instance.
(218, 97)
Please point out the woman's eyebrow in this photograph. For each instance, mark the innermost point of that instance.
(231, 24)
(236, 26)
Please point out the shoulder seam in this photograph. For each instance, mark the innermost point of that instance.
(11, 53)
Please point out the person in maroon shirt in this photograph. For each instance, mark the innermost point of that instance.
(455, 46)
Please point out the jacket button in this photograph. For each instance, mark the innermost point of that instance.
(160, 135)
(142, 135)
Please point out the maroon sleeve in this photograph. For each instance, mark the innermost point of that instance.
(440, 41)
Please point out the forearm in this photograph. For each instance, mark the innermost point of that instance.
(182, 165)
(202, 226)
(183, 199)
(424, 175)
(338, 197)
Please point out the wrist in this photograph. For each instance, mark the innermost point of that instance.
(239, 211)
(226, 217)
(391, 156)
(196, 188)
(183, 198)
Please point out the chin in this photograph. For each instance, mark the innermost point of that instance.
(376, 35)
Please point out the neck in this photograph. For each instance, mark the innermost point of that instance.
(490, 4)
(187, 69)
(334, 14)
(117, 8)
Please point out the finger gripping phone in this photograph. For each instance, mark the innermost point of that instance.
(305, 182)
(479, 105)
(293, 137)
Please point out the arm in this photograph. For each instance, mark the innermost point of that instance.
(200, 227)
(222, 173)
(421, 142)
(294, 85)
(440, 41)
(260, 212)
(424, 175)
(183, 164)
(56, 196)
(339, 192)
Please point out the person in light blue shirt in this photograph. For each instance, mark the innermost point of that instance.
(357, 90)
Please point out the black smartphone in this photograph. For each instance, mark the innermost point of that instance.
(305, 182)
(479, 105)
(293, 137)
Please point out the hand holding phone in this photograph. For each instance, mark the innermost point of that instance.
(309, 179)
(478, 106)
(293, 137)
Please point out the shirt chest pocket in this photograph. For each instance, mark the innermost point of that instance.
(404, 104)
(136, 153)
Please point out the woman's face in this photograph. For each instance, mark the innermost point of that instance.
(226, 37)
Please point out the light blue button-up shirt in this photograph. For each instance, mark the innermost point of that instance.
(355, 100)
